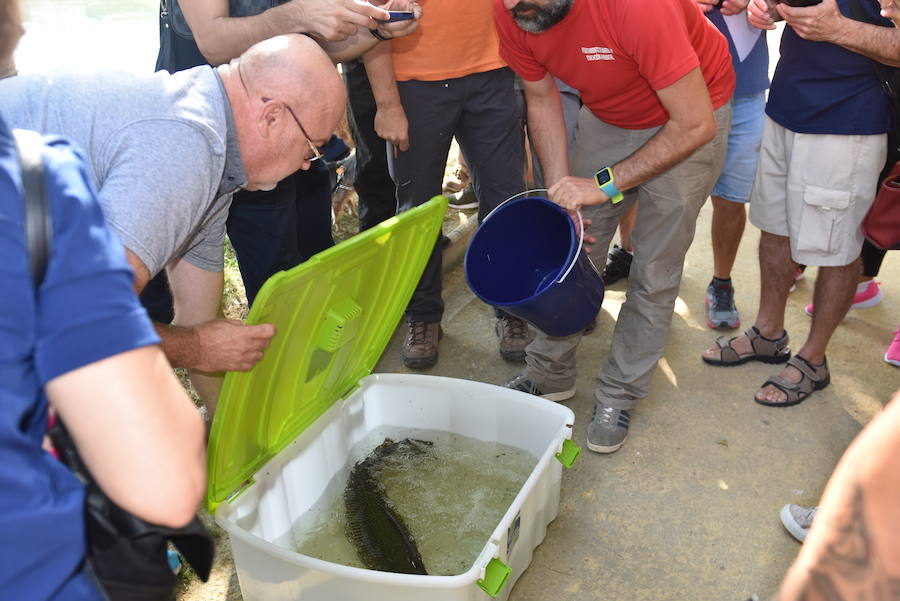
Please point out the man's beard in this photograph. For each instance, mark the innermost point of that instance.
(537, 19)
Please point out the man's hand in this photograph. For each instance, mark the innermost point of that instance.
(728, 7)
(391, 124)
(229, 345)
(335, 20)
(734, 7)
(820, 23)
(760, 16)
(572, 193)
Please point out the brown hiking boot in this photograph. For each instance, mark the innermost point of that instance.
(514, 337)
(420, 349)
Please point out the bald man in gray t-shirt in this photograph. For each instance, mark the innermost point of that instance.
(156, 146)
(166, 152)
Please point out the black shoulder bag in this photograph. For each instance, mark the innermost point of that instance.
(126, 554)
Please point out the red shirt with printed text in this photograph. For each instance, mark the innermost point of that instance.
(618, 53)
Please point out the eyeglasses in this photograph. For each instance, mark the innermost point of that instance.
(316, 155)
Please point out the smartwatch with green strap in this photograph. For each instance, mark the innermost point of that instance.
(607, 183)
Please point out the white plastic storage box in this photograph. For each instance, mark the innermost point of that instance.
(283, 432)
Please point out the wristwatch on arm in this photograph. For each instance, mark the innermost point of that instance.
(607, 183)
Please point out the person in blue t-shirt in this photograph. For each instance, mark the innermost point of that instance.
(750, 59)
(81, 344)
(824, 144)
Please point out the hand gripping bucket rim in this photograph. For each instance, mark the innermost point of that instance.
(569, 292)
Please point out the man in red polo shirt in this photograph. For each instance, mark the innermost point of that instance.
(656, 81)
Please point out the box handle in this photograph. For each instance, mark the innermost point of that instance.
(569, 453)
(496, 573)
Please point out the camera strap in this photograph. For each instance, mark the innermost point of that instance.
(38, 223)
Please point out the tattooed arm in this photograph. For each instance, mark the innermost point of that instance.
(853, 550)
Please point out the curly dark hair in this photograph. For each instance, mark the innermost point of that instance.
(10, 27)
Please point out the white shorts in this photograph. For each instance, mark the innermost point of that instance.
(816, 189)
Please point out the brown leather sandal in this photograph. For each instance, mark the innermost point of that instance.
(765, 349)
(813, 378)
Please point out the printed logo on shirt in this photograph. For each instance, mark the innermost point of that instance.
(598, 53)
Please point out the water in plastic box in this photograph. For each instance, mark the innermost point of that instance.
(451, 499)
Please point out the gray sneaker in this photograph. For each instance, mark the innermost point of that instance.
(722, 312)
(523, 384)
(798, 519)
(608, 429)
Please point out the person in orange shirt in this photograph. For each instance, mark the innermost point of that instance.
(447, 79)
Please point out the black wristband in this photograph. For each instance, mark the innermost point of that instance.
(379, 35)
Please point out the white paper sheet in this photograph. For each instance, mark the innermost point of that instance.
(742, 33)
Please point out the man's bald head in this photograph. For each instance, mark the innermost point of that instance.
(282, 90)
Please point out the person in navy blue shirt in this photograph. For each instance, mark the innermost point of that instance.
(81, 344)
(824, 144)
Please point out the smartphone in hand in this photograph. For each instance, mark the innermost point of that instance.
(799, 2)
(398, 15)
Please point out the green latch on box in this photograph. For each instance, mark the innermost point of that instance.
(570, 452)
(495, 576)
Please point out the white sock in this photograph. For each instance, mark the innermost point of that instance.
(861, 287)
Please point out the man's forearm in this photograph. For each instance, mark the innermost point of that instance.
(547, 131)
(853, 548)
(379, 62)
(669, 146)
(179, 343)
(353, 47)
(223, 38)
(880, 44)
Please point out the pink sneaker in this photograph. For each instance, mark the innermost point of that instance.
(892, 355)
(866, 296)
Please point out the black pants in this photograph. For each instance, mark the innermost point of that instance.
(480, 111)
(373, 184)
(279, 229)
(871, 256)
(270, 231)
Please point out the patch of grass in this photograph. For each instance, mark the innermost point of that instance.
(234, 297)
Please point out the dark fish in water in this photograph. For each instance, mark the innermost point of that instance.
(382, 539)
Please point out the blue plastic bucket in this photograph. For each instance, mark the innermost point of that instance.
(526, 258)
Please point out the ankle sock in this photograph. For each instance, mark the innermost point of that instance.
(861, 287)
(717, 283)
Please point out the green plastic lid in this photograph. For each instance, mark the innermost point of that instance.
(334, 315)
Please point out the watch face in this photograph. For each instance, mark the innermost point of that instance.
(603, 177)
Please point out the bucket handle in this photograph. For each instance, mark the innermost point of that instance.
(580, 223)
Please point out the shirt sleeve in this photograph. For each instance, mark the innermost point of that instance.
(513, 46)
(671, 56)
(207, 249)
(86, 307)
(156, 194)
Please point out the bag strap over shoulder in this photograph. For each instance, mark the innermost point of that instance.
(38, 222)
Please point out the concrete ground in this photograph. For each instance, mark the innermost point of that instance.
(688, 508)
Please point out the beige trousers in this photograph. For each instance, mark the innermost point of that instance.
(668, 206)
